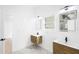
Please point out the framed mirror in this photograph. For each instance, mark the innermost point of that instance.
(67, 21)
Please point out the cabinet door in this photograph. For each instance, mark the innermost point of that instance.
(69, 50)
(40, 39)
(33, 39)
(62, 49)
(58, 49)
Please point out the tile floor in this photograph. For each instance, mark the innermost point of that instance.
(33, 50)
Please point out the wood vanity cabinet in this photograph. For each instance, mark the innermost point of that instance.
(36, 40)
(6, 46)
(62, 49)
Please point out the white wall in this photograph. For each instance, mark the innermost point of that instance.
(55, 34)
(1, 23)
(72, 35)
(19, 25)
(49, 34)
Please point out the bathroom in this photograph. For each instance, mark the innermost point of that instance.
(19, 22)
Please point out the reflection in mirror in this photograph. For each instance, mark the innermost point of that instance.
(68, 21)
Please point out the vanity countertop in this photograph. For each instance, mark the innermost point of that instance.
(66, 44)
(37, 35)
